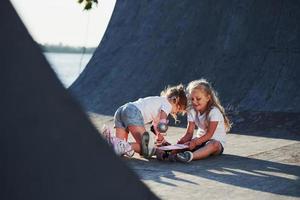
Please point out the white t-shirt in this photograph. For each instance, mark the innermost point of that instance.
(214, 115)
(150, 107)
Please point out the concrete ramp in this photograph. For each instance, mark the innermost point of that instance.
(249, 50)
(48, 147)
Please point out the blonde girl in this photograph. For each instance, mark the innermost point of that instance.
(206, 113)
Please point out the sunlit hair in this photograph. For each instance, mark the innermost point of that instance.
(206, 87)
(177, 95)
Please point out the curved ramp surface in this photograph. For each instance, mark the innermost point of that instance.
(249, 50)
(48, 147)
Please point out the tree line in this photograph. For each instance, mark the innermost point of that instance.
(60, 48)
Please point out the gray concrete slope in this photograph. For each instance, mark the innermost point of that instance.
(249, 50)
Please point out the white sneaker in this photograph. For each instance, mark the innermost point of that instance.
(148, 146)
(184, 157)
(121, 147)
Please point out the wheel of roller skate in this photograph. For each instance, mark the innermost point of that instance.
(172, 158)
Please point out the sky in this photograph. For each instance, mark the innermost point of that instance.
(65, 21)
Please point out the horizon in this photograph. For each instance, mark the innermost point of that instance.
(64, 45)
(69, 25)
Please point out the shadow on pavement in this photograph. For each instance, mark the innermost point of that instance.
(250, 173)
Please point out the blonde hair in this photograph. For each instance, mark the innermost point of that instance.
(205, 86)
(177, 95)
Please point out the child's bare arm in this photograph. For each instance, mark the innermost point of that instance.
(163, 115)
(160, 140)
(212, 125)
(162, 119)
(188, 134)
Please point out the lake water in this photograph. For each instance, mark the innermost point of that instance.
(67, 66)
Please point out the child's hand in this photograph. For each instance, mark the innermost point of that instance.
(187, 143)
(159, 137)
(160, 127)
(183, 140)
(154, 129)
(161, 141)
(180, 141)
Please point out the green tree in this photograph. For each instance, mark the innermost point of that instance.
(88, 4)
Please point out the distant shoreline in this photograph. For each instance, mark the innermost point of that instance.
(53, 48)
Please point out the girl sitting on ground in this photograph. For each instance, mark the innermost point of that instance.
(208, 115)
